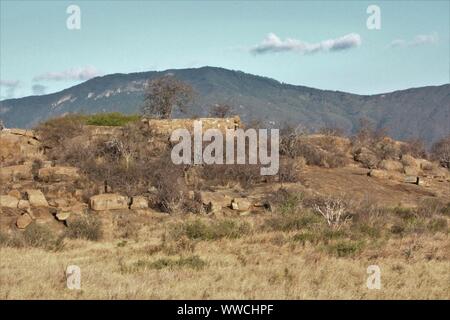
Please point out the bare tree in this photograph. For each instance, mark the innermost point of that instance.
(440, 151)
(220, 110)
(333, 210)
(164, 94)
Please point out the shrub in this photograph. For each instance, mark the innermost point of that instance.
(198, 230)
(194, 262)
(440, 151)
(438, 225)
(345, 248)
(110, 119)
(292, 222)
(88, 228)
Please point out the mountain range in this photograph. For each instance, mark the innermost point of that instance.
(413, 113)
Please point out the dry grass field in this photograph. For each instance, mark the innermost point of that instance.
(255, 257)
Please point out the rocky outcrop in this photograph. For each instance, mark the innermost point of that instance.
(36, 198)
(7, 201)
(108, 201)
(17, 172)
(58, 173)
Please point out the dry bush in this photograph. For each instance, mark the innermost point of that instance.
(440, 151)
(324, 153)
(88, 228)
(414, 147)
(213, 230)
(334, 210)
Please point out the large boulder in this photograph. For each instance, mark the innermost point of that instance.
(59, 173)
(7, 201)
(17, 172)
(376, 173)
(108, 201)
(23, 221)
(139, 202)
(36, 198)
(241, 204)
(391, 165)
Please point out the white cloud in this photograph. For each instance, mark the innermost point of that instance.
(10, 88)
(421, 39)
(272, 43)
(38, 89)
(77, 74)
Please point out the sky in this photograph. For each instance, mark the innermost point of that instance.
(320, 44)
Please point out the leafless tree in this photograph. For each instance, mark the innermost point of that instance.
(220, 110)
(333, 210)
(164, 94)
(440, 151)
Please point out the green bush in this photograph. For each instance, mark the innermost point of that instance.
(114, 119)
(345, 248)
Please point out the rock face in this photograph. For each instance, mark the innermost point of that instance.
(9, 202)
(139, 202)
(18, 172)
(36, 198)
(108, 201)
(23, 221)
(56, 174)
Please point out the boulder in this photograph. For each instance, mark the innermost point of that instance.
(214, 201)
(139, 202)
(8, 202)
(36, 198)
(18, 172)
(23, 204)
(63, 215)
(23, 221)
(391, 165)
(411, 171)
(410, 161)
(15, 194)
(241, 204)
(376, 173)
(108, 201)
(57, 174)
(412, 179)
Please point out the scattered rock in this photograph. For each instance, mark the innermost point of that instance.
(18, 172)
(411, 171)
(378, 174)
(23, 204)
(56, 174)
(7, 201)
(391, 165)
(63, 215)
(240, 204)
(15, 194)
(23, 221)
(412, 179)
(108, 201)
(36, 198)
(214, 201)
(139, 202)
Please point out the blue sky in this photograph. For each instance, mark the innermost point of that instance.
(39, 54)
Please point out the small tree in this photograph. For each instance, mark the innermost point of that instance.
(440, 151)
(220, 110)
(164, 94)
